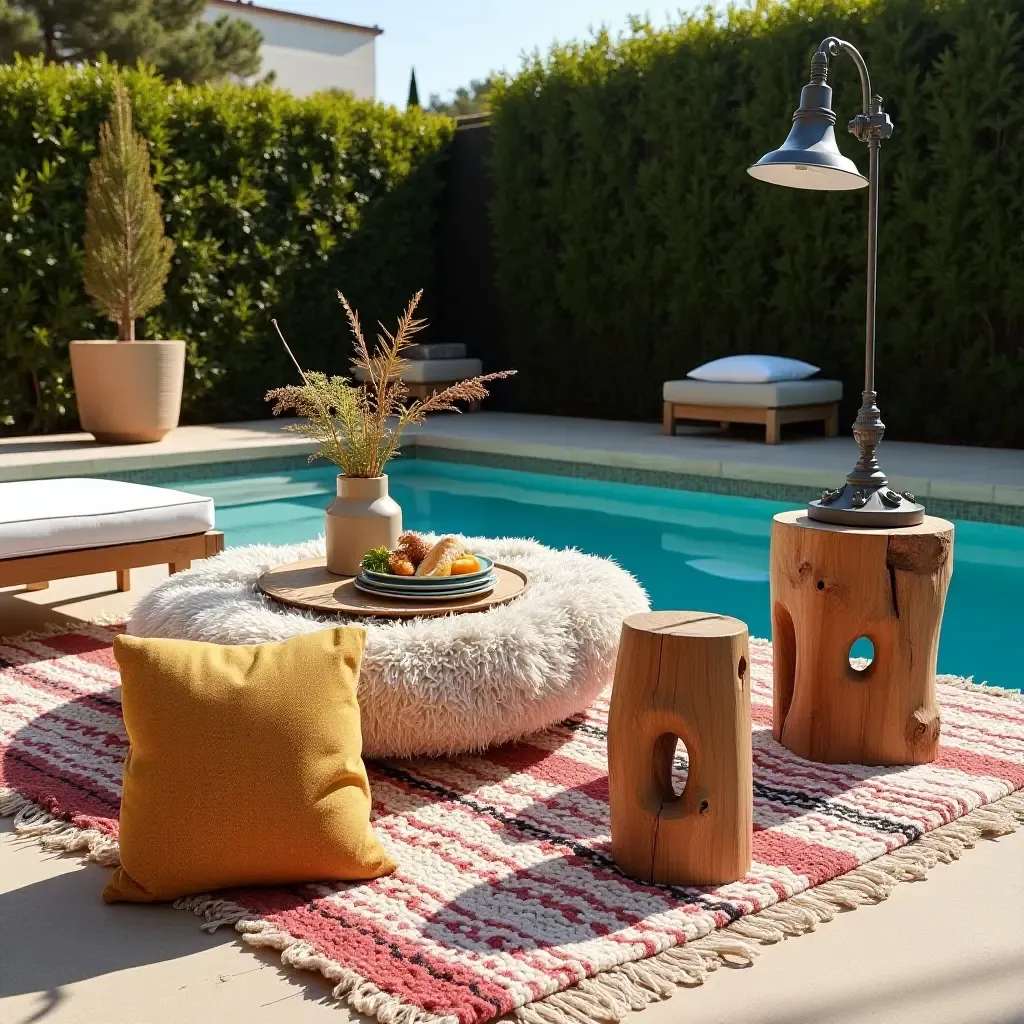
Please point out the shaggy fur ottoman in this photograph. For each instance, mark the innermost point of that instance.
(441, 685)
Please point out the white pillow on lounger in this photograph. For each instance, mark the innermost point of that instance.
(753, 370)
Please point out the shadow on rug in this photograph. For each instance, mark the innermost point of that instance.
(506, 898)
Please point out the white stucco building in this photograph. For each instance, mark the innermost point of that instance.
(309, 53)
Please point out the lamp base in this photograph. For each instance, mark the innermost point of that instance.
(869, 507)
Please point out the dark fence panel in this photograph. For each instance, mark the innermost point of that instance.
(467, 306)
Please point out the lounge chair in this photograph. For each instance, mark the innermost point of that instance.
(55, 529)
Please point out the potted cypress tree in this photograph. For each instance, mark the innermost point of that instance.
(127, 390)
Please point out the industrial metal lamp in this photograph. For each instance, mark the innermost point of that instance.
(810, 159)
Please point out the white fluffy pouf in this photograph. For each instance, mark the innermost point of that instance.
(441, 685)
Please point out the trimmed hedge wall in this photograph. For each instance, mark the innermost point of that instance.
(273, 202)
(632, 245)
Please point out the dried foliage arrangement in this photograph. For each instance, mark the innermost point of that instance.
(359, 426)
(127, 257)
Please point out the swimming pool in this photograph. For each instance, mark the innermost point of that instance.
(690, 550)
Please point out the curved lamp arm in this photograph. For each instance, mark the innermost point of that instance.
(831, 46)
(873, 125)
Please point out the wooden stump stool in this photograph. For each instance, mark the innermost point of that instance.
(832, 585)
(681, 675)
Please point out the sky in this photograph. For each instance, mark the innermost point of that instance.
(451, 42)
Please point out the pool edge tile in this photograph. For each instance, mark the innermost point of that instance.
(963, 508)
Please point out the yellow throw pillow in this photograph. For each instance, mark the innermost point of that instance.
(244, 766)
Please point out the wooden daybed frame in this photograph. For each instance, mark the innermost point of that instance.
(772, 418)
(36, 571)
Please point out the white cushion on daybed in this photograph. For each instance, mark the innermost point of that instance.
(431, 371)
(777, 395)
(753, 369)
(42, 516)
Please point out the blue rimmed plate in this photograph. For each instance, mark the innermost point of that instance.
(435, 594)
(421, 582)
(454, 585)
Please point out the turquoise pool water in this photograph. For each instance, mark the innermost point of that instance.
(689, 550)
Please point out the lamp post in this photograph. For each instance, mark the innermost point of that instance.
(810, 159)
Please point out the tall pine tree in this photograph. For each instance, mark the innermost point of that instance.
(127, 257)
(414, 93)
(166, 33)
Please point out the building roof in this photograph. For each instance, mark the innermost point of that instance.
(236, 5)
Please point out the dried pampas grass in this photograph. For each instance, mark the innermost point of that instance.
(359, 426)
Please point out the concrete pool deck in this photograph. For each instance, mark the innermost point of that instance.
(944, 950)
(962, 482)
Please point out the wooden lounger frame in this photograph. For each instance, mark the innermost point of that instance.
(178, 552)
(771, 418)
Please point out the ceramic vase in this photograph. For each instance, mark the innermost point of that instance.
(361, 517)
(128, 391)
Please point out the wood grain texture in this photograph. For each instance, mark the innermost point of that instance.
(309, 585)
(830, 586)
(63, 565)
(685, 675)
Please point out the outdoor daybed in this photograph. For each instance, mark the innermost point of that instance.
(54, 529)
(773, 403)
(424, 377)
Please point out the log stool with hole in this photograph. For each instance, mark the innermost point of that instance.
(681, 675)
(831, 586)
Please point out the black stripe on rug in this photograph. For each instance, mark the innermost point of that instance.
(690, 896)
(796, 798)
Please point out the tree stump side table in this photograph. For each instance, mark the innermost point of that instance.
(832, 585)
(681, 675)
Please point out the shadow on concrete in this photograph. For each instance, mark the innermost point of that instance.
(891, 1002)
(57, 931)
(39, 445)
(18, 615)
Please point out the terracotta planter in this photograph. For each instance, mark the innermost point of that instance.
(128, 391)
(361, 517)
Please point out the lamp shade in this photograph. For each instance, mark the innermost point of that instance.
(810, 157)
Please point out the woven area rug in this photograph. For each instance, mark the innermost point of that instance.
(506, 899)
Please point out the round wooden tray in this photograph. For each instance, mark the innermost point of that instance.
(309, 585)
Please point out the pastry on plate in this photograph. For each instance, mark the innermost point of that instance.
(440, 558)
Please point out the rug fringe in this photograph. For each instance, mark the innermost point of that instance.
(968, 683)
(610, 996)
(57, 834)
(109, 620)
(350, 987)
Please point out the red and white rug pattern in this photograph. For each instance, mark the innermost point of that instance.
(506, 898)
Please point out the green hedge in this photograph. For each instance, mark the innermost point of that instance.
(273, 202)
(632, 244)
